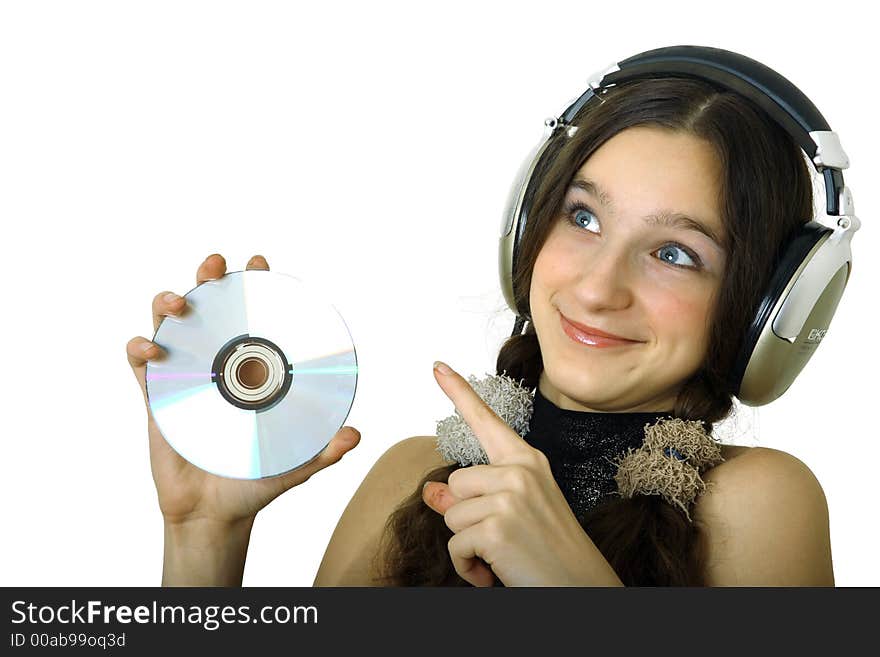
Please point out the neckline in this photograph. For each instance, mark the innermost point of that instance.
(581, 447)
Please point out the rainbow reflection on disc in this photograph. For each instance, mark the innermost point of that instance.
(259, 376)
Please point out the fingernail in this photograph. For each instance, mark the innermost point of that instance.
(442, 367)
(170, 297)
(147, 346)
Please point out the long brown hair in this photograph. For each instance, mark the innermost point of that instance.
(766, 194)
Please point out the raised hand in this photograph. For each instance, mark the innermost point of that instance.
(186, 492)
(510, 517)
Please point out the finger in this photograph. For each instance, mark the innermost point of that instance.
(139, 350)
(468, 512)
(437, 496)
(479, 480)
(166, 303)
(211, 269)
(345, 440)
(501, 443)
(258, 262)
(466, 483)
(465, 559)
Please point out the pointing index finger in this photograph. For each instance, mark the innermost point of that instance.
(501, 443)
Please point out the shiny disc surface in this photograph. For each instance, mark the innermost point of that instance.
(260, 374)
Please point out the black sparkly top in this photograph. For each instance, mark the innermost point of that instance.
(582, 445)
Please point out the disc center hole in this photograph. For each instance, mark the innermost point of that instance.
(252, 373)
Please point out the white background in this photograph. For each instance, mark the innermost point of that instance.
(365, 146)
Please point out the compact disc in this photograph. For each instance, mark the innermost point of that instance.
(260, 374)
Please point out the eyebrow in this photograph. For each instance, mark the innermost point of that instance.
(662, 218)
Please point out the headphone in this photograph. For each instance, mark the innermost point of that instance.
(809, 277)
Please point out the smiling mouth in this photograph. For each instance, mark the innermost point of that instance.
(590, 340)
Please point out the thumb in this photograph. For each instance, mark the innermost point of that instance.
(438, 496)
(345, 440)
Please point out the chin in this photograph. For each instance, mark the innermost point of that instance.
(578, 383)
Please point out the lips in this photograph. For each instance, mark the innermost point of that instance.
(588, 335)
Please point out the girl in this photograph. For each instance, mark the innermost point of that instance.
(657, 225)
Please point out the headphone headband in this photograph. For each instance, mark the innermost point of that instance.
(787, 105)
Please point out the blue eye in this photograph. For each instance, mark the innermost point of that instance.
(577, 212)
(670, 249)
(580, 216)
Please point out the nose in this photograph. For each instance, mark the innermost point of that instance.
(605, 282)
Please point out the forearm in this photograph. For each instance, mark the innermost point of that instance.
(587, 566)
(205, 553)
(598, 572)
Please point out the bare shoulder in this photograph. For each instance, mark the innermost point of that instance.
(400, 468)
(418, 454)
(403, 465)
(746, 469)
(348, 559)
(765, 522)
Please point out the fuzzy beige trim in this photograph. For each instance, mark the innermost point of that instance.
(669, 462)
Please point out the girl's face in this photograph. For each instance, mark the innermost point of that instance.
(614, 261)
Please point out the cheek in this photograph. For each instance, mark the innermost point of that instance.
(555, 262)
(681, 314)
(548, 274)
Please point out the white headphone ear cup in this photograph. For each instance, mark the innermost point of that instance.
(767, 364)
(507, 242)
(510, 226)
(516, 211)
(514, 196)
